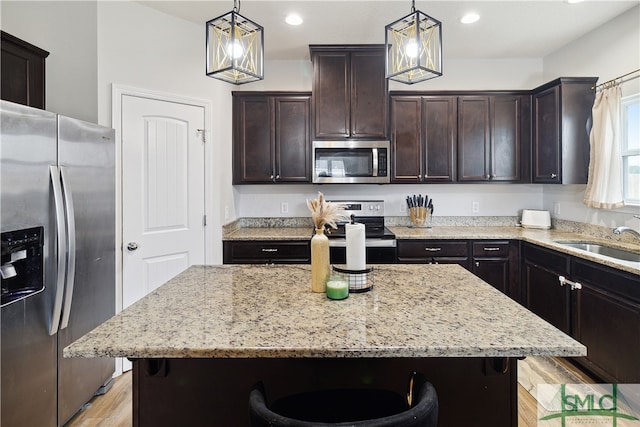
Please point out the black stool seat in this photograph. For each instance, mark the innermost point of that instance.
(348, 407)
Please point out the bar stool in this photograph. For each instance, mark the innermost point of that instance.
(354, 408)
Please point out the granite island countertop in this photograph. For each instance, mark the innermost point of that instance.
(545, 238)
(250, 311)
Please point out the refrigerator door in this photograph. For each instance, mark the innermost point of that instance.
(28, 352)
(86, 155)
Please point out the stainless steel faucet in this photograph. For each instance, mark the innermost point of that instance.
(623, 229)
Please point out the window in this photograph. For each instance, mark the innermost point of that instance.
(631, 149)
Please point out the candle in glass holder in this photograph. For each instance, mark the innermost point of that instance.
(337, 288)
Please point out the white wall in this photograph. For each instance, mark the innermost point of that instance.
(67, 30)
(607, 52)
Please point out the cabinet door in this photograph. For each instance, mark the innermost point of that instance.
(439, 122)
(606, 318)
(253, 151)
(368, 94)
(473, 138)
(505, 138)
(331, 97)
(22, 75)
(292, 145)
(406, 145)
(610, 328)
(546, 136)
(542, 293)
(544, 296)
(494, 271)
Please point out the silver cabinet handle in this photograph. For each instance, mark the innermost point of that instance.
(477, 263)
(269, 249)
(490, 249)
(433, 249)
(71, 239)
(553, 175)
(61, 241)
(564, 281)
(132, 246)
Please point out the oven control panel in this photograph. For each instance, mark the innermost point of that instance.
(362, 207)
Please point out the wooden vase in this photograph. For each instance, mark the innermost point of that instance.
(320, 267)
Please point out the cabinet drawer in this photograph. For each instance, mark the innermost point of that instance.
(548, 259)
(432, 248)
(266, 251)
(491, 248)
(607, 279)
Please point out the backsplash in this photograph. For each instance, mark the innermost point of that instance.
(596, 231)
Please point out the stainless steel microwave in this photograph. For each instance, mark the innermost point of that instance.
(350, 162)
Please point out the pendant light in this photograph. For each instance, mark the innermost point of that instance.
(414, 48)
(235, 48)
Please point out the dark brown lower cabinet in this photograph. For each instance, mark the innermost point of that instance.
(266, 252)
(434, 252)
(496, 262)
(601, 309)
(606, 318)
(542, 293)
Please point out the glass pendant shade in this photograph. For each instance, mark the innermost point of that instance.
(414, 48)
(235, 49)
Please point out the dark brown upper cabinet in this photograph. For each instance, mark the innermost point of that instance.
(490, 138)
(22, 72)
(271, 137)
(349, 92)
(423, 136)
(561, 122)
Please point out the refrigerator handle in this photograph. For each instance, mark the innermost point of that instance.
(71, 239)
(61, 242)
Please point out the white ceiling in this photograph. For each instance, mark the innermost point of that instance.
(507, 29)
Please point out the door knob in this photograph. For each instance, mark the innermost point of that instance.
(132, 246)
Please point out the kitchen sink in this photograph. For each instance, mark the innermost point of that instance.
(599, 249)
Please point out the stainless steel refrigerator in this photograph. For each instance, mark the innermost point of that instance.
(57, 208)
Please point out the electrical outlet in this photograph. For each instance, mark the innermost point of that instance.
(226, 212)
(284, 207)
(475, 207)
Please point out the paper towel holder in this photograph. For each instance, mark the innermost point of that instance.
(359, 280)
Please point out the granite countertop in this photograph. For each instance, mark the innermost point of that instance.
(238, 311)
(545, 238)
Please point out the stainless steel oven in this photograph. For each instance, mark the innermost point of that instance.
(380, 242)
(350, 162)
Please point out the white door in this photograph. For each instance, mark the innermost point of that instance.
(163, 192)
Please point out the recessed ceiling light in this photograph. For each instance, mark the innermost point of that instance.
(469, 18)
(293, 19)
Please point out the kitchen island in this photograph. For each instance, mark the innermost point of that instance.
(199, 342)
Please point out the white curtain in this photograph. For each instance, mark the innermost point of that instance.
(604, 186)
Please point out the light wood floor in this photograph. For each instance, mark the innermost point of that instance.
(114, 409)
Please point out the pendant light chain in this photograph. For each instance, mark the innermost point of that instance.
(413, 6)
(236, 6)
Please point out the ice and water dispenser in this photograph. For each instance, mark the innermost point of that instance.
(22, 266)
